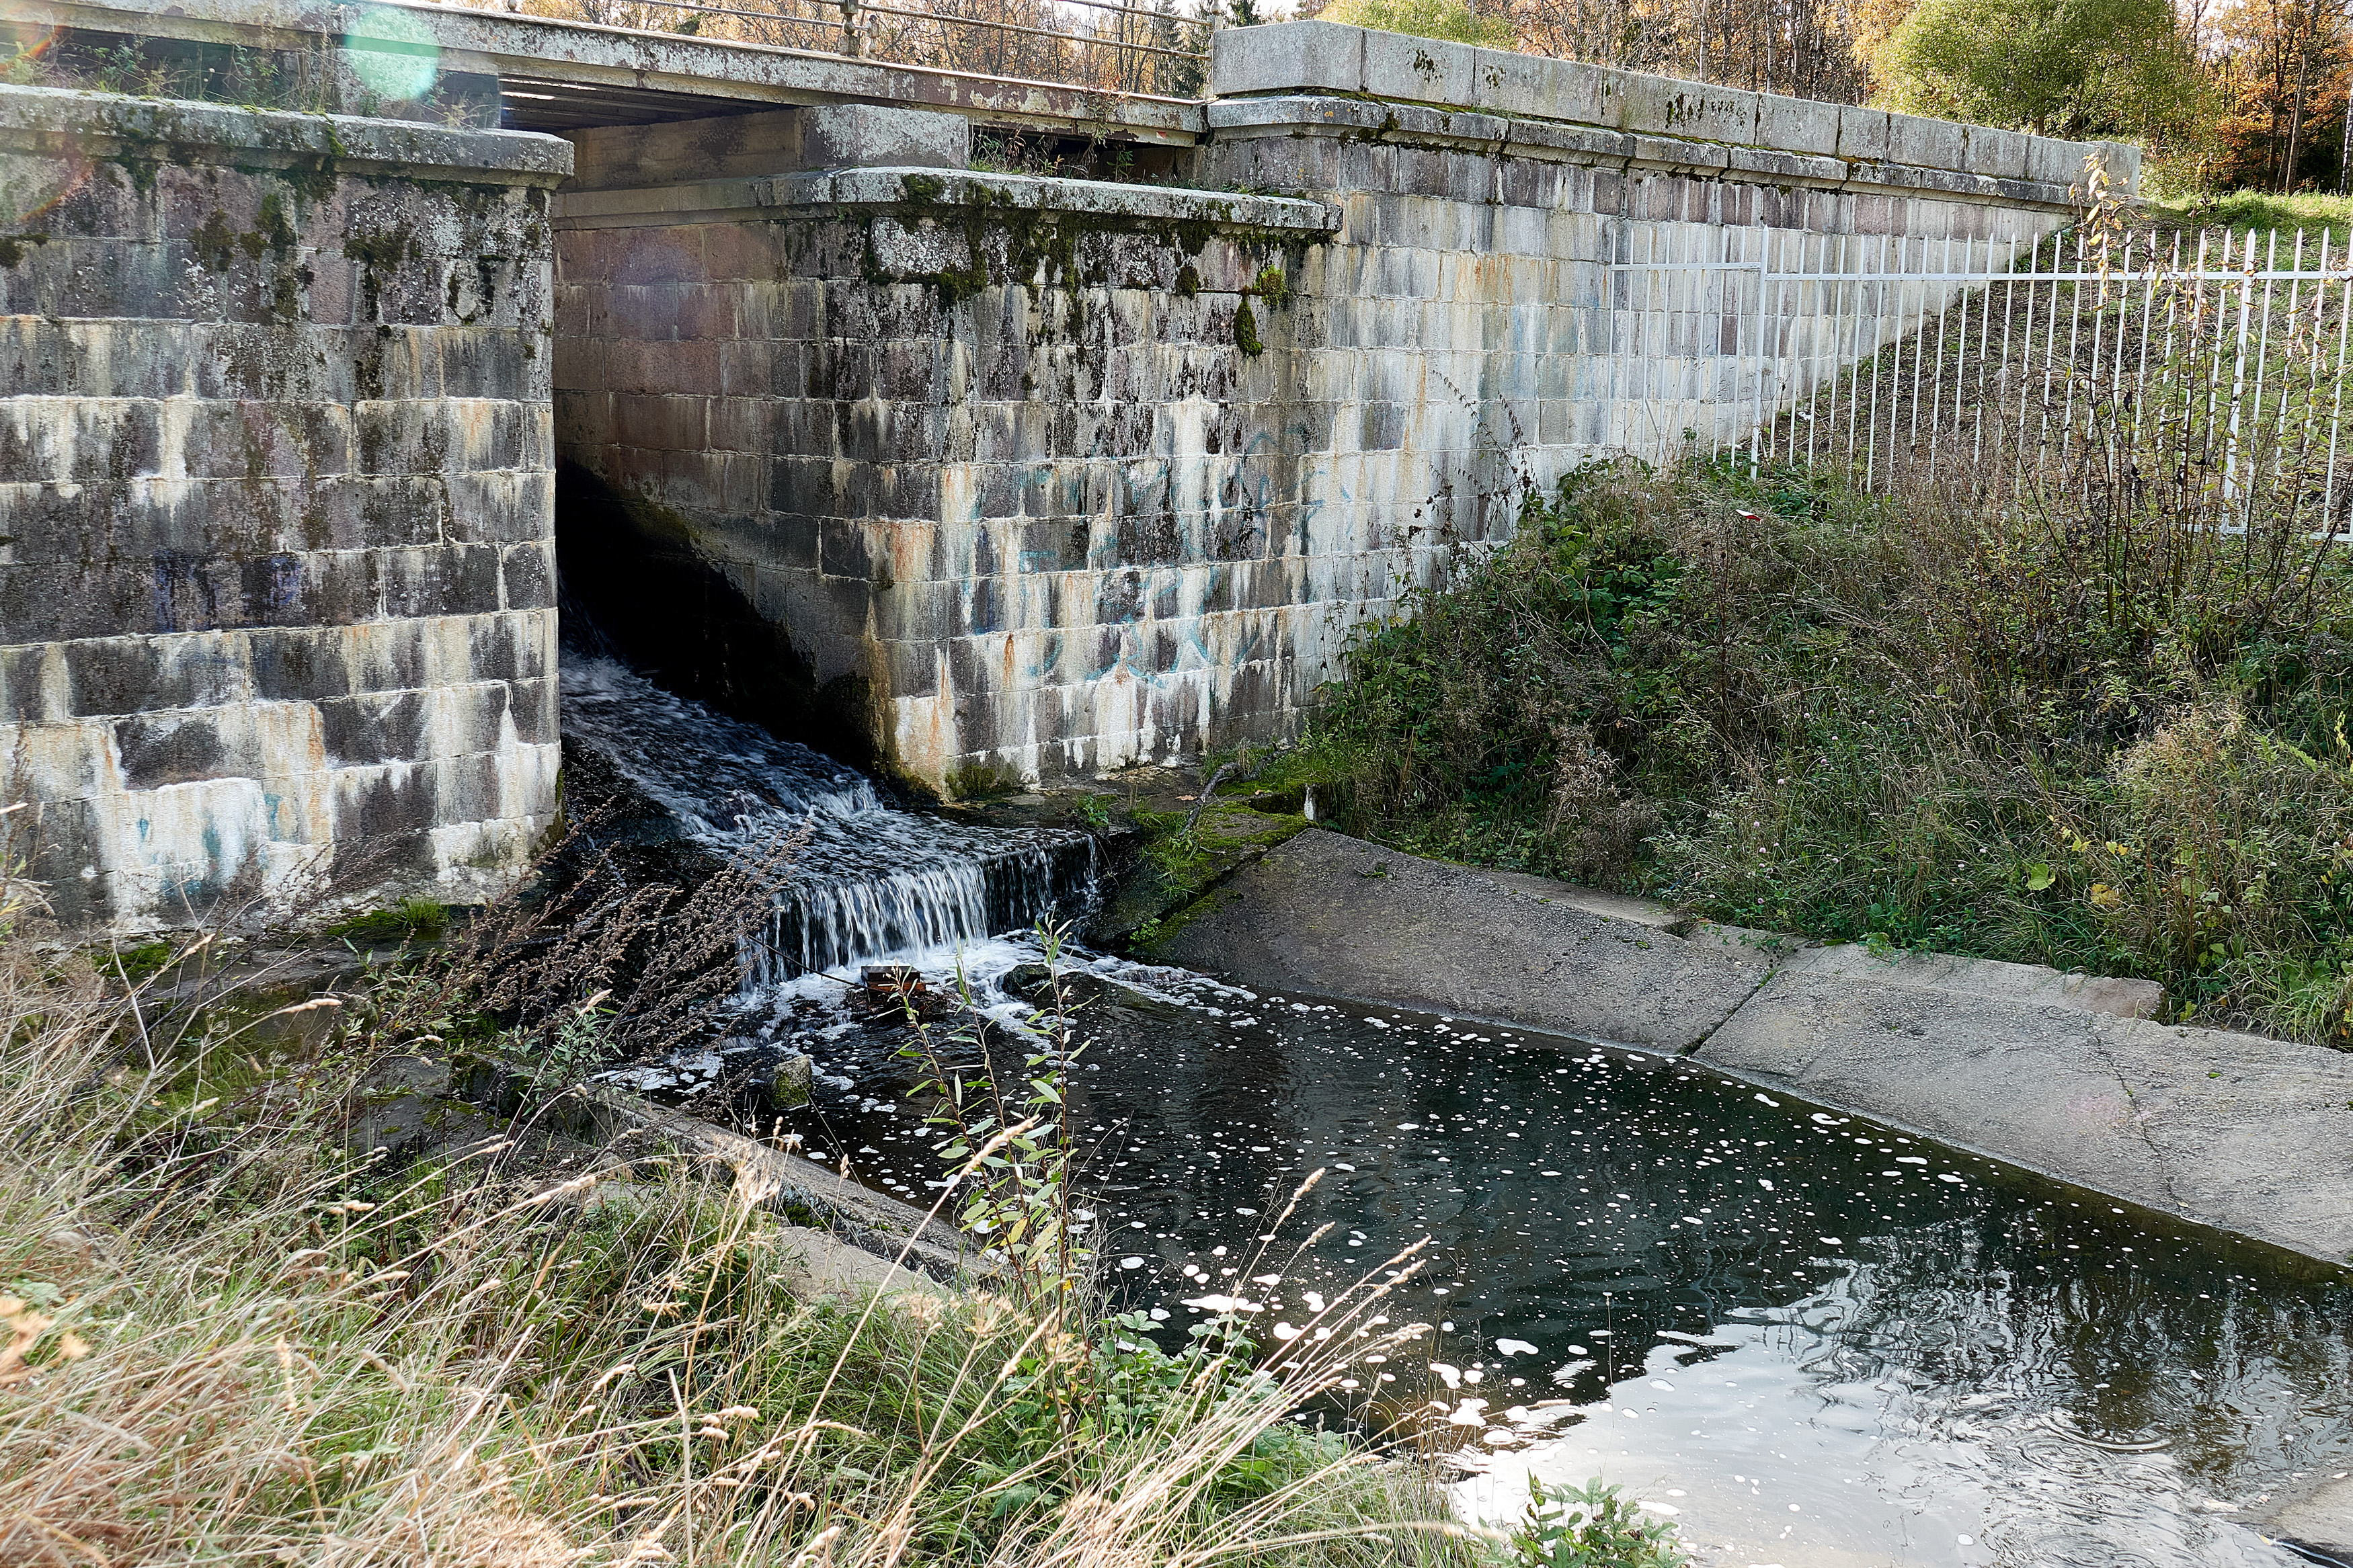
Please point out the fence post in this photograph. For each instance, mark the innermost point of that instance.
(854, 23)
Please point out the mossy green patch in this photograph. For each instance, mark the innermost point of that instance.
(419, 919)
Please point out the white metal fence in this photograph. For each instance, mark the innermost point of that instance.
(2100, 355)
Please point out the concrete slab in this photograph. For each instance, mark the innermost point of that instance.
(2256, 1134)
(2028, 982)
(2319, 1523)
(2245, 1134)
(1339, 916)
(1290, 56)
(2025, 1081)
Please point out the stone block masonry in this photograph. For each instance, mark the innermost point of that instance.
(277, 587)
(1040, 478)
(978, 475)
(989, 449)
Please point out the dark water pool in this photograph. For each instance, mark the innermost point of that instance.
(1807, 1339)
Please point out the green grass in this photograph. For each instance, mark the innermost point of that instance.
(2243, 212)
(231, 1342)
(412, 919)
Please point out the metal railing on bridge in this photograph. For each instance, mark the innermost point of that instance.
(1095, 44)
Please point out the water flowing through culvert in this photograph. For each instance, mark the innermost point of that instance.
(1811, 1342)
(872, 883)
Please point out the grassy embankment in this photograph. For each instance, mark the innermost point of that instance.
(2243, 212)
(228, 1334)
(2090, 727)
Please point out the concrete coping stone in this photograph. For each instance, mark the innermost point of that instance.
(1292, 115)
(724, 72)
(969, 193)
(37, 118)
(1326, 58)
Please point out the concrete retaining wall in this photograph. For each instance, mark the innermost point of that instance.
(277, 580)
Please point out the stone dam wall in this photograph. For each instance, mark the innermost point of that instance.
(969, 474)
(277, 485)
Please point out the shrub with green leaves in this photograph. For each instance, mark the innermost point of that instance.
(2097, 729)
(1591, 1526)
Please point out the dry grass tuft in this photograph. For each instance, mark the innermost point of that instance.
(230, 1340)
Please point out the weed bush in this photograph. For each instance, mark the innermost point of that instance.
(2093, 729)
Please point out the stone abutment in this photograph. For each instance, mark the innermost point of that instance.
(970, 473)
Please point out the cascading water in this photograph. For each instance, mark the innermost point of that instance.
(871, 882)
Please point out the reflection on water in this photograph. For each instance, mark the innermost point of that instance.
(1814, 1341)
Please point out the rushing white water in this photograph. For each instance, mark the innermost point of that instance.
(872, 882)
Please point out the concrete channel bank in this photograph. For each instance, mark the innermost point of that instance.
(2066, 1076)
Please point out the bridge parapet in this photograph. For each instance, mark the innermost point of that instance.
(1273, 80)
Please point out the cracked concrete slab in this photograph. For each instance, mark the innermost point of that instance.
(2023, 1081)
(1327, 913)
(2256, 1134)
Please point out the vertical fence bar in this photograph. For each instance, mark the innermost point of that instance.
(1985, 343)
(1853, 285)
(1919, 360)
(2314, 348)
(1936, 408)
(2212, 378)
(2239, 372)
(1878, 315)
(1821, 314)
(2291, 323)
(2027, 339)
(2074, 340)
(1773, 246)
(2147, 310)
(2170, 366)
(2100, 341)
(2336, 405)
(1896, 343)
(1716, 286)
(2259, 421)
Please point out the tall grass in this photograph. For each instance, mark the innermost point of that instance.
(232, 1338)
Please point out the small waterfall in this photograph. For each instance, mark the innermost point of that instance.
(873, 882)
